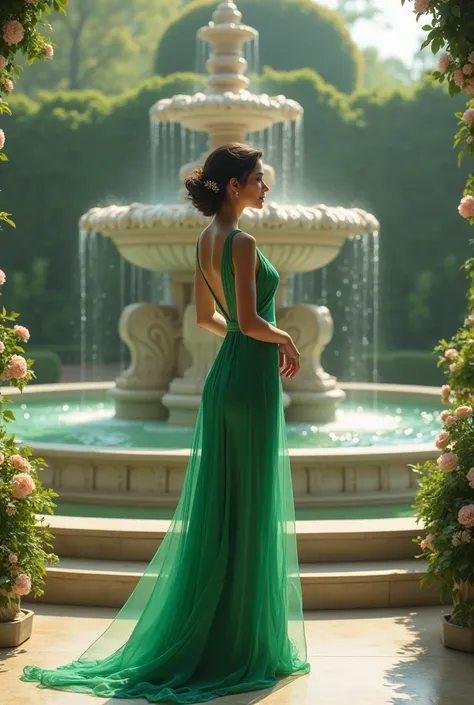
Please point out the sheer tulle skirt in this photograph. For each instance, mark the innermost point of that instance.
(219, 609)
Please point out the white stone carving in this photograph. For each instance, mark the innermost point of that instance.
(152, 333)
(313, 392)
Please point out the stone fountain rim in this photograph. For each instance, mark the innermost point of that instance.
(320, 218)
(412, 452)
(215, 101)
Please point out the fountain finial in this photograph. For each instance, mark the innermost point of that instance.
(227, 13)
(226, 34)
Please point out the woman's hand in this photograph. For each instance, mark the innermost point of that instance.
(289, 359)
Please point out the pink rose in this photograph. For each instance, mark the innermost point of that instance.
(470, 58)
(422, 6)
(3, 278)
(450, 420)
(469, 139)
(20, 463)
(458, 77)
(467, 69)
(2, 347)
(16, 368)
(444, 415)
(22, 332)
(462, 412)
(13, 32)
(470, 318)
(2, 141)
(2, 458)
(428, 542)
(12, 558)
(443, 440)
(468, 116)
(48, 51)
(445, 392)
(453, 367)
(3, 62)
(466, 207)
(451, 353)
(469, 86)
(470, 477)
(23, 485)
(448, 462)
(443, 62)
(11, 509)
(8, 85)
(466, 515)
(22, 585)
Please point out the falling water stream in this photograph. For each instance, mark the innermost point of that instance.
(349, 286)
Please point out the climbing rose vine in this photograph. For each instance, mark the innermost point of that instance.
(22, 23)
(24, 541)
(445, 499)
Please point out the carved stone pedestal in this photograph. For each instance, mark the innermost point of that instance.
(151, 332)
(314, 393)
(184, 395)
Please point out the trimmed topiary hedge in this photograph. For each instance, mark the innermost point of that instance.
(294, 34)
(47, 367)
(73, 151)
(408, 367)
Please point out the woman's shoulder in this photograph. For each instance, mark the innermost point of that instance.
(244, 240)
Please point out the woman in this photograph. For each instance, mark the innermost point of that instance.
(218, 610)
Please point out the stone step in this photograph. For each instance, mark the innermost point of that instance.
(318, 541)
(102, 583)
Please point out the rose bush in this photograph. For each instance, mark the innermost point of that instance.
(24, 543)
(445, 499)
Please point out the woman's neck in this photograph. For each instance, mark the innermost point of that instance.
(227, 218)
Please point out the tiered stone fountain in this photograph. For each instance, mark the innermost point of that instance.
(170, 355)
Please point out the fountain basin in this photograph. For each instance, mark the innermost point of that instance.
(113, 472)
(163, 237)
(208, 112)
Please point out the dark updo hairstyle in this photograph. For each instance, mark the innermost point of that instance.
(231, 161)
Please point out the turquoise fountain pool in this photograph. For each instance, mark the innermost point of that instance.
(361, 422)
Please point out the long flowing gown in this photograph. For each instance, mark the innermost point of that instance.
(219, 608)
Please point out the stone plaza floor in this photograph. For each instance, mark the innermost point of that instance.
(358, 657)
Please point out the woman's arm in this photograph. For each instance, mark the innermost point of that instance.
(206, 313)
(244, 258)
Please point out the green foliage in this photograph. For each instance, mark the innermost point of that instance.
(450, 27)
(385, 74)
(23, 543)
(73, 151)
(352, 11)
(443, 490)
(105, 45)
(456, 356)
(407, 367)
(294, 34)
(48, 368)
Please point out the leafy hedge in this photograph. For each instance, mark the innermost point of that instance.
(294, 34)
(391, 155)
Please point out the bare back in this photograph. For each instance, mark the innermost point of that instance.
(211, 246)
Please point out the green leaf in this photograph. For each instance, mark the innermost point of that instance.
(456, 11)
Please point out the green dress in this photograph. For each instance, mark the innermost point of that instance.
(219, 608)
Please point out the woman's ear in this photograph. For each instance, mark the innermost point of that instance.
(234, 185)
